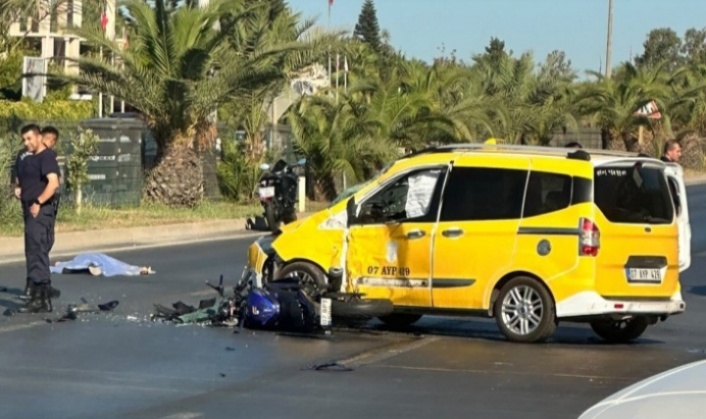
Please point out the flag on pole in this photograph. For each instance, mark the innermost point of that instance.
(104, 20)
(649, 110)
(330, 3)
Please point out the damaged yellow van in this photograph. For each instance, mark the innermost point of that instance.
(529, 235)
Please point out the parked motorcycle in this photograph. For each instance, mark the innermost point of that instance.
(279, 192)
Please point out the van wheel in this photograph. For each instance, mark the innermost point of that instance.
(400, 319)
(620, 331)
(311, 279)
(524, 311)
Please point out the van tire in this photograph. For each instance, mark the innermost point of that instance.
(311, 277)
(613, 331)
(397, 320)
(542, 325)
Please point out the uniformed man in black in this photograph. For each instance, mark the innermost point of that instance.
(50, 136)
(38, 176)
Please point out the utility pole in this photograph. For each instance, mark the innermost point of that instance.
(610, 39)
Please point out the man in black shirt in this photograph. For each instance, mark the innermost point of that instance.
(38, 176)
(671, 152)
(50, 136)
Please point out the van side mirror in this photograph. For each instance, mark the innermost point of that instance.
(351, 209)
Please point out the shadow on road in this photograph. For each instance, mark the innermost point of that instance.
(12, 305)
(698, 290)
(574, 334)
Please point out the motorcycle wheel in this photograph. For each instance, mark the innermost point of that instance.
(289, 216)
(271, 217)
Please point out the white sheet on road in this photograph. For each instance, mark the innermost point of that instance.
(99, 264)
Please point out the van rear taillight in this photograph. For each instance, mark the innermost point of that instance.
(589, 238)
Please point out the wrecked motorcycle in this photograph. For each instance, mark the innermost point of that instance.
(282, 306)
(279, 193)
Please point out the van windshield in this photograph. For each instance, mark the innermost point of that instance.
(633, 194)
(355, 188)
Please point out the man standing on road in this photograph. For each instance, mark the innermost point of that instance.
(50, 136)
(38, 178)
(671, 152)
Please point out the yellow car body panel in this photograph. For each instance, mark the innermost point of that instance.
(439, 270)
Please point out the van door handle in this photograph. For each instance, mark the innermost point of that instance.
(452, 232)
(415, 234)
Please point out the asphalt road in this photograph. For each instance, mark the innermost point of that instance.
(122, 365)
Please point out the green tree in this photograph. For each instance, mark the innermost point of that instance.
(694, 47)
(661, 45)
(83, 145)
(612, 103)
(368, 29)
(176, 71)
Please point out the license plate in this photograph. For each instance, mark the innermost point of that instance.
(267, 192)
(644, 275)
(325, 317)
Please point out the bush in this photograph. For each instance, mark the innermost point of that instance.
(236, 179)
(59, 110)
(10, 211)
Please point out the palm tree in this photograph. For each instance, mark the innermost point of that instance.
(688, 109)
(337, 138)
(612, 103)
(176, 71)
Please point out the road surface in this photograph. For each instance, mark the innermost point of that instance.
(122, 365)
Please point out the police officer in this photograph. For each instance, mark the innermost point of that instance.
(50, 136)
(38, 176)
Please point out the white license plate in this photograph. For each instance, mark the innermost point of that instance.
(325, 317)
(644, 275)
(267, 192)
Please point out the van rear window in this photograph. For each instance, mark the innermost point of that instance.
(633, 194)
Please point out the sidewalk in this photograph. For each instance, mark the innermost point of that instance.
(69, 244)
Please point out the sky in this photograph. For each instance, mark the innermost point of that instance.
(420, 28)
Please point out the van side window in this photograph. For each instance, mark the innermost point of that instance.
(633, 194)
(409, 198)
(473, 194)
(547, 192)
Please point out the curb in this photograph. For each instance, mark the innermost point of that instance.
(12, 248)
(695, 181)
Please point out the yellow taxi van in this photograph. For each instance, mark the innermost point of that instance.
(528, 235)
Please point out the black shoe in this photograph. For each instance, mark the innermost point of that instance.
(54, 293)
(40, 300)
(27, 294)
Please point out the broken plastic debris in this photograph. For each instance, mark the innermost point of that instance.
(333, 366)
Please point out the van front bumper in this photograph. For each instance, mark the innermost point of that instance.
(591, 304)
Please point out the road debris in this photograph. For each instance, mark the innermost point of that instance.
(282, 305)
(73, 310)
